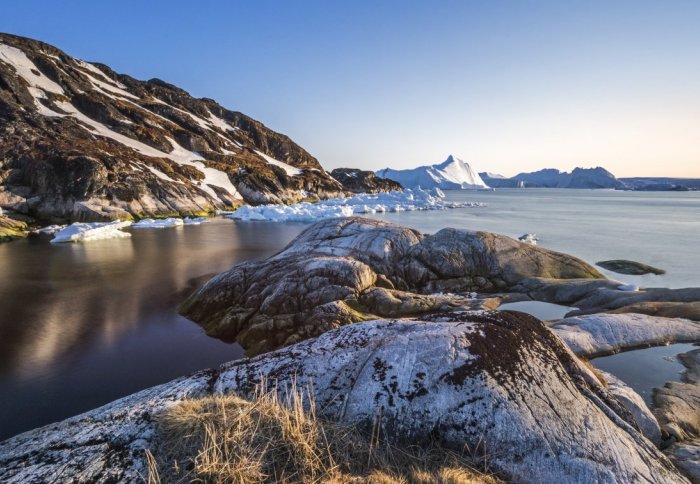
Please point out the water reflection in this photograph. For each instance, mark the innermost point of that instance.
(82, 324)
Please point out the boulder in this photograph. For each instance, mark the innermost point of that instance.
(330, 275)
(500, 385)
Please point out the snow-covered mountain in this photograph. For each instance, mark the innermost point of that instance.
(451, 174)
(79, 141)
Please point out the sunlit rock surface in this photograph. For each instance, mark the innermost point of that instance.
(329, 275)
(601, 334)
(500, 383)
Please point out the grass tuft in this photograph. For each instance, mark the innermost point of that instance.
(228, 439)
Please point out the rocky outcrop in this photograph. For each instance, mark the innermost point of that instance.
(11, 229)
(81, 142)
(596, 296)
(677, 404)
(341, 271)
(634, 403)
(623, 266)
(676, 408)
(499, 384)
(361, 181)
(603, 334)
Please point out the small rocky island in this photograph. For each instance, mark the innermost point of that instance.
(396, 332)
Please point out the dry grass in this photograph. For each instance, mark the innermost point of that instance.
(227, 439)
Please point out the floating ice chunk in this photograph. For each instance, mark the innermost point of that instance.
(49, 230)
(85, 232)
(149, 223)
(529, 238)
(194, 220)
(408, 200)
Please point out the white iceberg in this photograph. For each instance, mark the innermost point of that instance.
(85, 232)
(396, 201)
(451, 174)
(150, 223)
(194, 220)
(49, 230)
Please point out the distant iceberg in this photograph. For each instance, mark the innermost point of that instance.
(397, 201)
(85, 232)
(452, 174)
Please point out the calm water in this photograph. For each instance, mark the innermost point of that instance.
(83, 324)
(647, 368)
(658, 228)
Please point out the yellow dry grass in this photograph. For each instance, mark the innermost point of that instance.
(228, 439)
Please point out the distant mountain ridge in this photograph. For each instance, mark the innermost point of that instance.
(597, 177)
(80, 142)
(451, 174)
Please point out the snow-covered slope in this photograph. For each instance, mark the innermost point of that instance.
(451, 174)
(84, 143)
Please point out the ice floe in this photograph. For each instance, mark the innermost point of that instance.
(84, 232)
(396, 201)
(149, 223)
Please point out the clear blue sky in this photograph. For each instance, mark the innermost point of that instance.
(509, 86)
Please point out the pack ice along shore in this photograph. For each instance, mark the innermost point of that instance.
(385, 324)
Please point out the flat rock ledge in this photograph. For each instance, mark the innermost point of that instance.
(499, 383)
(343, 271)
(604, 334)
(592, 296)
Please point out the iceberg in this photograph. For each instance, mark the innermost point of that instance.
(85, 232)
(395, 201)
(194, 220)
(451, 174)
(149, 223)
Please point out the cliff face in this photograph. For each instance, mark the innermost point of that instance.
(81, 142)
(360, 181)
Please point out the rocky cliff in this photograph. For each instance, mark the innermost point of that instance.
(361, 181)
(79, 141)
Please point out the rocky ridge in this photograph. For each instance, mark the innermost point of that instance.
(81, 142)
(341, 271)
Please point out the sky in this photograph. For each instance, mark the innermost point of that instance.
(509, 86)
